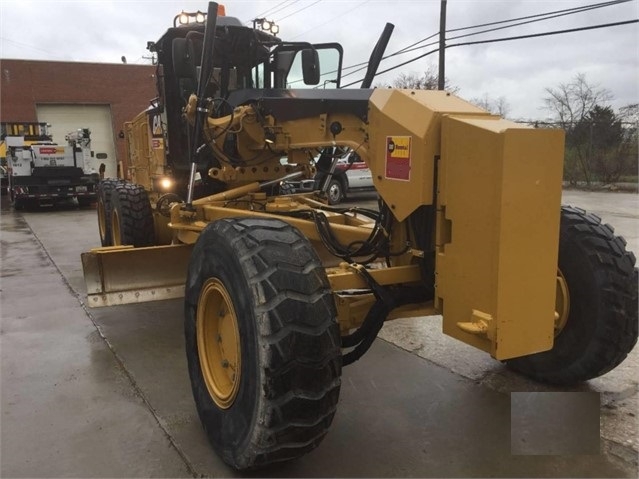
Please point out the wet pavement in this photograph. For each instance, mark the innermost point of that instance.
(105, 392)
(69, 408)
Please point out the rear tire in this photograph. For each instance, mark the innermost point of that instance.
(104, 207)
(281, 398)
(131, 216)
(335, 192)
(601, 327)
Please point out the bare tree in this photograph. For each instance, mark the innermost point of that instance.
(571, 102)
(629, 114)
(427, 81)
(496, 106)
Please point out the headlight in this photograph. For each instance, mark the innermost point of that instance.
(166, 184)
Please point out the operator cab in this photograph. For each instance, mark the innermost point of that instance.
(248, 64)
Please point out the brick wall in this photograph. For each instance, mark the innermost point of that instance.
(127, 89)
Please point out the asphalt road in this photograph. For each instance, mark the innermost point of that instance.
(105, 392)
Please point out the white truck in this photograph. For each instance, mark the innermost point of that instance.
(45, 173)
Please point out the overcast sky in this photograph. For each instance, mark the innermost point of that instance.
(101, 31)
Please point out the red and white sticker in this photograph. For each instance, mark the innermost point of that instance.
(50, 150)
(398, 157)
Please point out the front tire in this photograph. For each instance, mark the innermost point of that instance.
(131, 216)
(601, 324)
(262, 341)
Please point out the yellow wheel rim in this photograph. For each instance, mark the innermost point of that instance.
(115, 228)
(218, 343)
(102, 221)
(562, 303)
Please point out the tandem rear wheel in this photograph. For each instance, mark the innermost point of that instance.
(596, 304)
(262, 341)
(131, 216)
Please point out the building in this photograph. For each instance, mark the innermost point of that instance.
(72, 95)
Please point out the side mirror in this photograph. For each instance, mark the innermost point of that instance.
(310, 66)
(183, 61)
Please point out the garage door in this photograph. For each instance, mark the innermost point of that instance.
(97, 118)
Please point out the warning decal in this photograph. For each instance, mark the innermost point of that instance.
(156, 125)
(51, 150)
(398, 157)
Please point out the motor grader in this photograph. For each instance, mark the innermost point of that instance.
(283, 290)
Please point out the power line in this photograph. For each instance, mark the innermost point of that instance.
(573, 9)
(556, 32)
(534, 21)
(494, 40)
(546, 15)
(396, 66)
(415, 43)
(272, 10)
(21, 44)
(330, 20)
(298, 11)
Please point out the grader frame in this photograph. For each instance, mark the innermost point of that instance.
(469, 226)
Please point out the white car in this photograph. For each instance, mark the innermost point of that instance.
(347, 177)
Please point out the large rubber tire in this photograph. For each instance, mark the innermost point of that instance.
(131, 216)
(601, 327)
(289, 342)
(104, 207)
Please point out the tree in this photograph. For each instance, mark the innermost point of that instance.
(498, 106)
(570, 104)
(413, 81)
(600, 138)
(629, 116)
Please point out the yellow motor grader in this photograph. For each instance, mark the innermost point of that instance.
(283, 290)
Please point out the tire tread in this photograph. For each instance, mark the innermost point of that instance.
(298, 342)
(136, 215)
(616, 334)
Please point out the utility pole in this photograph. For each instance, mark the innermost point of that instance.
(442, 46)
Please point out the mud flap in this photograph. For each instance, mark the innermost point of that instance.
(124, 275)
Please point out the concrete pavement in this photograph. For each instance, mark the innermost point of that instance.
(69, 407)
(105, 392)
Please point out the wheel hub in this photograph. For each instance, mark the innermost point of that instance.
(562, 303)
(218, 343)
(102, 221)
(333, 192)
(115, 228)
